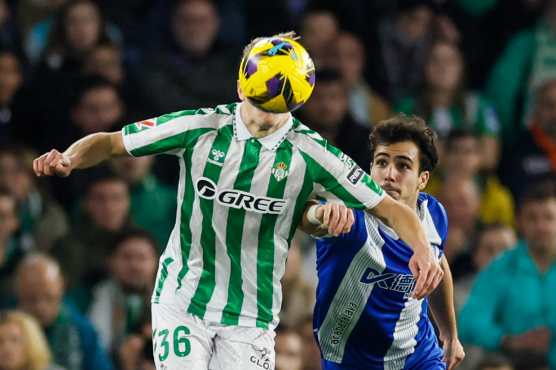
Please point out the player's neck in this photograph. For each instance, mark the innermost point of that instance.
(411, 203)
(259, 123)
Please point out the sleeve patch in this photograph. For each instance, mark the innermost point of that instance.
(355, 175)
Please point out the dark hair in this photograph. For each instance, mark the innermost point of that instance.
(404, 6)
(539, 191)
(88, 83)
(103, 173)
(135, 233)
(458, 134)
(407, 128)
(328, 75)
(4, 192)
(10, 52)
(423, 102)
(57, 41)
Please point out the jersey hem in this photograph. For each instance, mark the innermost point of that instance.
(127, 142)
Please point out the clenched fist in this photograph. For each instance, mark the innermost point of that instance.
(52, 163)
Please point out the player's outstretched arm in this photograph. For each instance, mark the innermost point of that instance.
(423, 264)
(444, 313)
(86, 152)
(326, 219)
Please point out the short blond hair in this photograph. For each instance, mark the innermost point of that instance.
(38, 354)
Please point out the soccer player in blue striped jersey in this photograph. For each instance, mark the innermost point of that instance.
(366, 315)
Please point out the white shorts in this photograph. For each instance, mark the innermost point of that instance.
(182, 341)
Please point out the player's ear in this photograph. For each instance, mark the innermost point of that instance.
(239, 92)
(424, 177)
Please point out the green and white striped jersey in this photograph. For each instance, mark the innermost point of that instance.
(240, 200)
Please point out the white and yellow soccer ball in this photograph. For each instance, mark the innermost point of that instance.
(277, 75)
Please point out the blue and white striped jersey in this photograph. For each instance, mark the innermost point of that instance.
(365, 317)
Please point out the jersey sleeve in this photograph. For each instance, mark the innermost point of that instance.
(168, 133)
(338, 174)
(440, 219)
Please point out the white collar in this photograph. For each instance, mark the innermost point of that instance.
(270, 142)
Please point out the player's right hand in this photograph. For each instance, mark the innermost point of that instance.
(52, 163)
(427, 271)
(336, 218)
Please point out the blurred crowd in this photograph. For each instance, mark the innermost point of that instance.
(78, 256)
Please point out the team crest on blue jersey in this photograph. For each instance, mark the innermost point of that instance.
(280, 171)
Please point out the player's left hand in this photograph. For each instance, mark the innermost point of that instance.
(336, 218)
(453, 352)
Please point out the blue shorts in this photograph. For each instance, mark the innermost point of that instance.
(429, 364)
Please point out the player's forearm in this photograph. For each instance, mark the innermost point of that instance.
(442, 303)
(93, 149)
(404, 221)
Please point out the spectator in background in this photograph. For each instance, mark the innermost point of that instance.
(364, 104)
(77, 29)
(153, 204)
(84, 252)
(445, 103)
(90, 104)
(136, 353)
(35, 19)
(495, 362)
(106, 61)
(73, 340)
(299, 297)
(401, 44)
(97, 106)
(22, 343)
(533, 156)
(119, 301)
(11, 78)
(327, 112)
(42, 221)
(194, 70)
(526, 64)
(461, 198)
(491, 241)
(11, 251)
(131, 16)
(311, 351)
(511, 305)
(289, 349)
(319, 30)
(462, 159)
(9, 31)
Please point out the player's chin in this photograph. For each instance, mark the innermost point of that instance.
(394, 194)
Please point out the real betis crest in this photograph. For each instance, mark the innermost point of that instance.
(280, 171)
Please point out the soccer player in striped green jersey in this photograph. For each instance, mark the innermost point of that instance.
(245, 178)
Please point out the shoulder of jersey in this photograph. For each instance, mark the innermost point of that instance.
(301, 134)
(219, 116)
(436, 210)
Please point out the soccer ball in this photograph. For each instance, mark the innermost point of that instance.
(277, 75)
